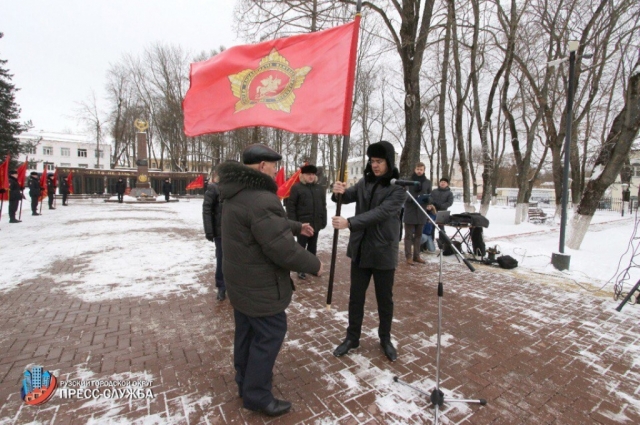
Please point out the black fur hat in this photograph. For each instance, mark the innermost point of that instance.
(383, 149)
(309, 169)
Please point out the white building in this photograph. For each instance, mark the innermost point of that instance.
(53, 150)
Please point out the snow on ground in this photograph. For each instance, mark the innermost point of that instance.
(142, 250)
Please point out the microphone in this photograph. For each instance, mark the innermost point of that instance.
(404, 182)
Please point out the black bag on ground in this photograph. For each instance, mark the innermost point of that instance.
(447, 250)
(507, 262)
(477, 242)
(469, 219)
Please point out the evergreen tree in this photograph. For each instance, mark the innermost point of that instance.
(10, 127)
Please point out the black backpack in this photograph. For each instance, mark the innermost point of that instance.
(507, 262)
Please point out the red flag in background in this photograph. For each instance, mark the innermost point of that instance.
(280, 179)
(285, 190)
(22, 172)
(55, 178)
(4, 179)
(198, 183)
(303, 84)
(69, 180)
(43, 183)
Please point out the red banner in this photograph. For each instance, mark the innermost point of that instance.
(55, 178)
(43, 183)
(280, 177)
(22, 172)
(285, 190)
(303, 84)
(4, 179)
(70, 182)
(198, 183)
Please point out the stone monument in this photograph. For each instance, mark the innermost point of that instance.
(142, 190)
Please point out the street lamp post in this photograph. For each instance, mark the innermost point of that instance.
(561, 260)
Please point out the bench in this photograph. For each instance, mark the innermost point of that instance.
(537, 216)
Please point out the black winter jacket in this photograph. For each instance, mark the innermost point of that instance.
(64, 187)
(51, 188)
(15, 191)
(412, 214)
(120, 187)
(307, 203)
(442, 199)
(34, 187)
(258, 244)
(166, 188)
(212, 211)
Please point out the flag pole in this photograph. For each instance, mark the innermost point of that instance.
(346, 124)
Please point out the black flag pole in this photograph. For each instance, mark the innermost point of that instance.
(343, 162)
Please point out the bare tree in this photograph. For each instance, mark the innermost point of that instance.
(94, 119)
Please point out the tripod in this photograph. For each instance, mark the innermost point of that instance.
(436, 396)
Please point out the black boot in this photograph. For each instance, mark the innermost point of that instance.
(389, 350)
(222, 294)
(13, 220)
(345, 347)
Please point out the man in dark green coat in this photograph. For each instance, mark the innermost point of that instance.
(373, 243)
(259, 253)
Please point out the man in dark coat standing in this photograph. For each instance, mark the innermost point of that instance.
(121, 186)
(64, 190)
(34, 191)
(212, 218)
(51, 191)
(259, 253)
(307, 203)
(15, 195)
(414, 219)
(373, 243)
(166, 189)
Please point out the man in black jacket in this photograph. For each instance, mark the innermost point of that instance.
(64, 190)
(166, 189)
(51, 191)
(120, 188)
(414, 218)
(15, 195)
(441, 198)
(307, 203)
(34, 191)
(373, 243)
(259, 253)
(211, 217)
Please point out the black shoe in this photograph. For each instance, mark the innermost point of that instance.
(35, 214)
(275, 408)
(302, 276)
(222, 294)
(13, 220)
(51, 208)
(389, 350)
(345, 347)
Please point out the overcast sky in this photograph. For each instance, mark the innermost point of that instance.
(60, 50)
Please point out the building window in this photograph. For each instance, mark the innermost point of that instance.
(636, 170)
(47, 150)
(31, 150)
(48, 166)
(32, 165)
(65, 151)
(100, 153)
(99, 166)
(83, 165)
(82, 153)
(65, 164)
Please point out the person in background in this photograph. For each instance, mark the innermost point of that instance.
(212, 217)
(64, 190)
(51, 191)
(166, 189)
(121, 186)
(373, 243)
(259, 253)
(441, 198)
(34, 191)
(15, 195)
(307, 203)
(427, 243)
(414, 218)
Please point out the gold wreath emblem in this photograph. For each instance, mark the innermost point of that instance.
(141, 125)
(275, 82)
(142, 178)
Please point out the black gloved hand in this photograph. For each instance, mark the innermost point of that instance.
(209, 237)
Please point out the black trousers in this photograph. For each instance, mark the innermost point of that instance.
(120, 197)
(256, 346)
(219, 275)
(311, 244)
(166, 197)
(13, 208)
(383, 281)
(50, 196)
(64, 199)
(34, 204)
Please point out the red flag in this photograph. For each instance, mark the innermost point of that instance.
(70, 182)
(303, 84)
(285, 189)
(280, 177)
(198, 183)
(4, 179)
(43, 183)
(55, 178)
(22, 172)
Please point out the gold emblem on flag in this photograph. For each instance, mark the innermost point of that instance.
(272, 83)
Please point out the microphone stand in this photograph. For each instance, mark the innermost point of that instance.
(436, 396)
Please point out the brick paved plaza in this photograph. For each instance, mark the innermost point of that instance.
(540, 350)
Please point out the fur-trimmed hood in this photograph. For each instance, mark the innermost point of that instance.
(235, 177)
(382, 149)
